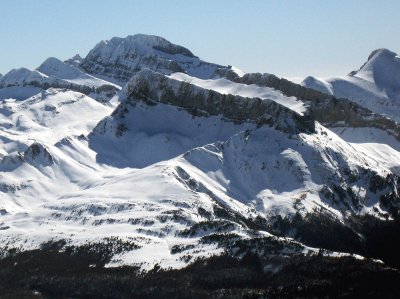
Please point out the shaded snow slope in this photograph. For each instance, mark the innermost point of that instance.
(149, 117)
(262, 172)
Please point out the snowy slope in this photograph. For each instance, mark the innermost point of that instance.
(263, 172)
(58, 69)
(378, 144)
(104, 187)
(22, 83)
(22, 76)
(51, 115)
(376, 85)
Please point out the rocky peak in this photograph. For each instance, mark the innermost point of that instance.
(75, 60)
(118, 59)
(382, 68)
(140, 43)
(381, 54)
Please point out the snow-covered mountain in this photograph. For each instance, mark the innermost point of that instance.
(188, 160)
(376, 85)
(119, 59)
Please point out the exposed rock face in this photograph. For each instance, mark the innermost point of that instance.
(155, 88)
(38, 153)
(327, 109)
(120, 58)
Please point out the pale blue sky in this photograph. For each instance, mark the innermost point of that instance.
(287, 38)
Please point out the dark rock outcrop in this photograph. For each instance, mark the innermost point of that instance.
(38, 153)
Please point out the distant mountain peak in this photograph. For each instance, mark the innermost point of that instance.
(380, 60)
(54, 67)
(375, 85)
(381, 53)
(118, 59)
(158, 43)
(141, 44)
(382, 68)
(75, 60)
(21, 76)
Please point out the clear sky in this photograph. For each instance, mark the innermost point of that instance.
(287, 38)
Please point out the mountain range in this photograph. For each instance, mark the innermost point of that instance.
(142, 155)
